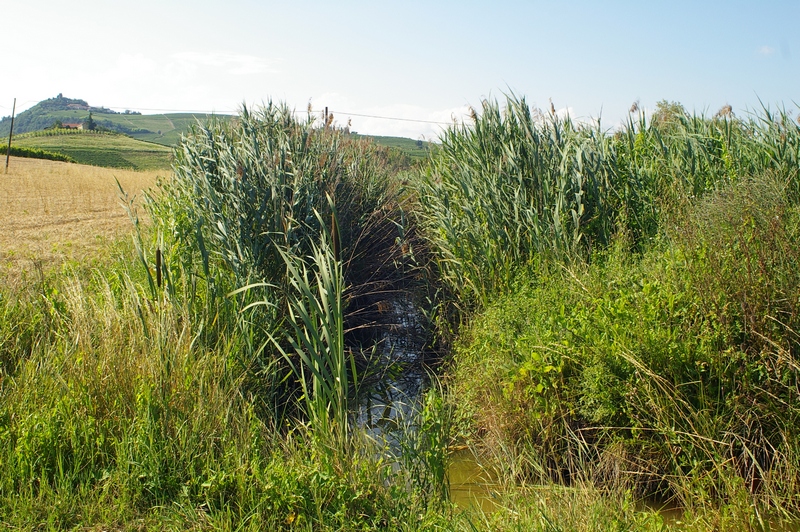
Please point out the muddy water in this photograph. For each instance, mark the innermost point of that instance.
(472, 483)
(394, 398)
(401, 376)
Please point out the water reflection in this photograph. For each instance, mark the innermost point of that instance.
(392, 396)
(472, 483)
(398, 375)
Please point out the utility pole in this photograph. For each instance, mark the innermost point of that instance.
(11, 132)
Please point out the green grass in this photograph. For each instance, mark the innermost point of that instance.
(627, 321)
(171, 125)
(409, 147)
(110, 150)
(630, 301)
(113, 415)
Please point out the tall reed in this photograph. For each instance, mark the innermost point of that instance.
(114, 413)
(313, 343)
(306, 218)
(516, 185)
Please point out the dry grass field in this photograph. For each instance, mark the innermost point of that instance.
(53, 211)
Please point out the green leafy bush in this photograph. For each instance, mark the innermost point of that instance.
(36, 153)
(678, 367)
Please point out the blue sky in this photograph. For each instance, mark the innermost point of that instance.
(412, 59)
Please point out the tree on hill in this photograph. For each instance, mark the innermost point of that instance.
(40, 116)
(89, 123)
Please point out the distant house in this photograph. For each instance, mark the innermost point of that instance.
(72, 125)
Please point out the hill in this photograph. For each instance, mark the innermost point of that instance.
(100, 148)
(43, 114)
(164, 129)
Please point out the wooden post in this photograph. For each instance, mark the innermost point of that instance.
(10, 132)
(158, 267)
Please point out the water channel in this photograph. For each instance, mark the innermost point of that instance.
(395, 396)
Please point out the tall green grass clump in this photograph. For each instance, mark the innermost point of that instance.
(213, 388)
(251, 203)
(113, 414)
(516, 185)
(324, 367)
(654, 352)
(509, 186)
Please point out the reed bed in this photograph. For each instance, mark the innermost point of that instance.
(211, 387)
(624, 306)
(517, 185)
(277, 231)
(628, 300)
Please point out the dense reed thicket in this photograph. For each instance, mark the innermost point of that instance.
(267, 215)
(636, 293)
(517, 184)
(212, 387)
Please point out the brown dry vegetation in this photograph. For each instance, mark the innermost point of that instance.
(52, 211)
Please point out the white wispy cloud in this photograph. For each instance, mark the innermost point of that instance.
(568, 112)
(766, 50)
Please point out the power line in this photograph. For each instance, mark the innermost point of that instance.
(198, 111)
(335, 112)
(393, 118)
(228, 111)
(21, 104)
(331, 111)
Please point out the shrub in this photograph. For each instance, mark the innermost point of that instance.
(517, 186)
(36, 153)
(674, 372)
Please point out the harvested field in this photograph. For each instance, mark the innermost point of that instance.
(53, 211)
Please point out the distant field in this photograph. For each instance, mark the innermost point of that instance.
(172, 126)
(50, 211)
(165, 129)
(115, 151)
(410, 147)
